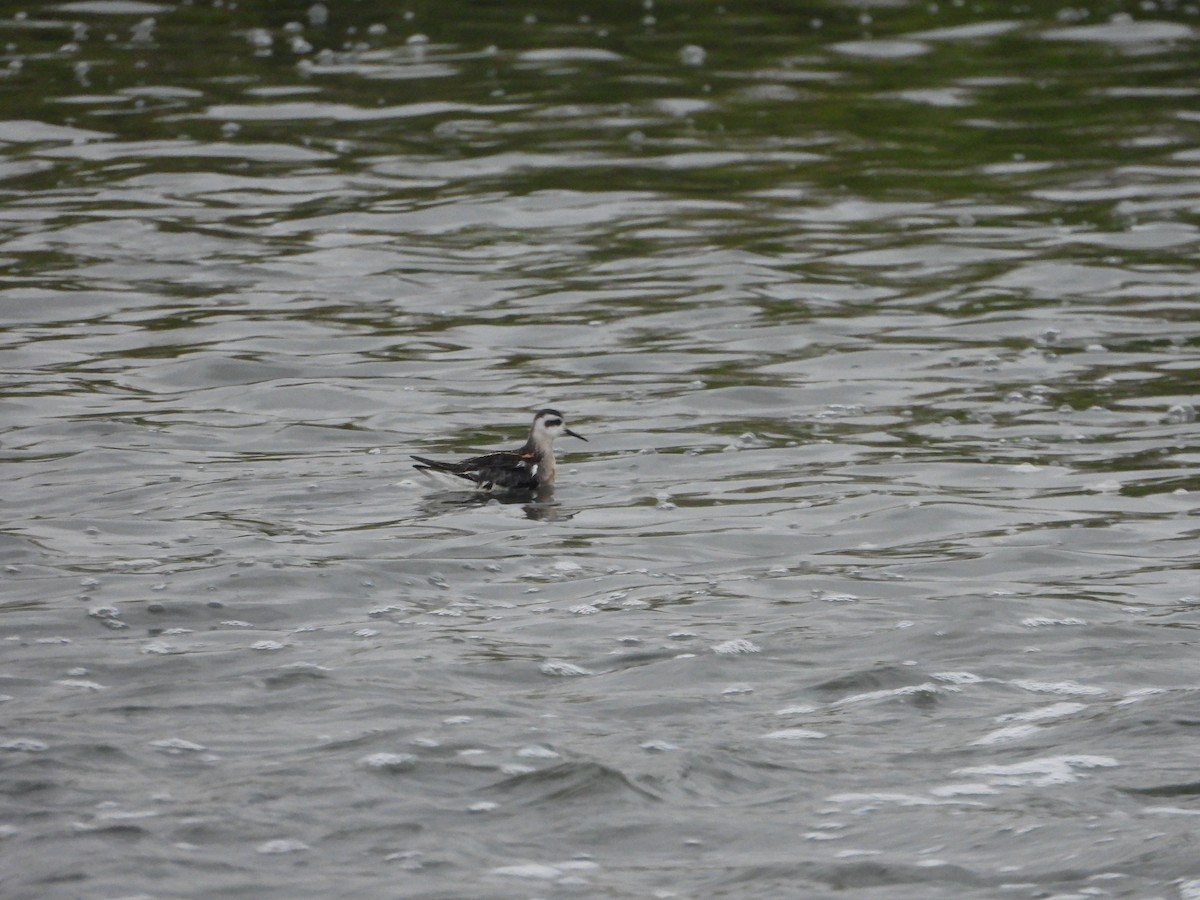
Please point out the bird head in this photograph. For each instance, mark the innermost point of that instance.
(549, 424)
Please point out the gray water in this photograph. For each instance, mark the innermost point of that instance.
(877, 576)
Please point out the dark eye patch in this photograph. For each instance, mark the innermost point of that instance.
(553, 423)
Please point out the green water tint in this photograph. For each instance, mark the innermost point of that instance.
(1002, 88)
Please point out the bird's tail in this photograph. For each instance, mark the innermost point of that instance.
(432, 465)
(446, 468)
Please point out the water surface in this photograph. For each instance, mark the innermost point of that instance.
(877, 575)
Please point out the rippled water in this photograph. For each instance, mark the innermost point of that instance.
(877, 576)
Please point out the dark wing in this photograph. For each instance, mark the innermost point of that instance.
(509, 470)
(436, 465)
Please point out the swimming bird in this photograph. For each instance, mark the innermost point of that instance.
(529, 468)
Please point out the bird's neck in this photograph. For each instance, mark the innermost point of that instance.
(546, 466)
(544, 454)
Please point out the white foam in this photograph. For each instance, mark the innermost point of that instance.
(794, 734)
(1043, 621)
(177, 745)
(957, 677)
(926, 687)
(388, 761)
(1042, 713)
(1008, 733)
(1068, 688)
(536, 751)
(968, 789)
(1039, 772)
(561, 669)
(737, 645)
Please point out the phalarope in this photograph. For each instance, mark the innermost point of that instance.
(529, 468)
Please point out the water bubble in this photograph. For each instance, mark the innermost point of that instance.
(142, 32)
(260, 39)
(389, 762)
(692, 55)
(109, 616)
(318, 15)
(1181, 414)
(838, 597)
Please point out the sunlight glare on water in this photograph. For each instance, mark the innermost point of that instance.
(876, 575)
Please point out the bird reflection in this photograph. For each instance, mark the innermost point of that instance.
(537, 505)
